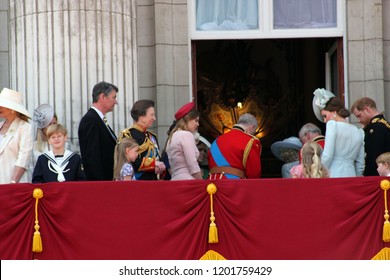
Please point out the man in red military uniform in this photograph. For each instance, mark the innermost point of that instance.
(236, 154)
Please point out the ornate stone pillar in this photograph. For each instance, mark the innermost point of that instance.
(61, 48)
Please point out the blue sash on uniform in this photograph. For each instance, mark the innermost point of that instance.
(220, 159)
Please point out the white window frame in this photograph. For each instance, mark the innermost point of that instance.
(328, 66)
(265, 24)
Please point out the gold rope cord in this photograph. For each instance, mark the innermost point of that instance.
(213, 231)
(37, 241)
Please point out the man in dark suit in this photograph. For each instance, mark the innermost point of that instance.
(96, 138)
(376, 131)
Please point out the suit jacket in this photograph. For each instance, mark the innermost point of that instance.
(376, 142)
(15, 150)
(96, 147)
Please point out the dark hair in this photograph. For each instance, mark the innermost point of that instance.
(102, 87)
(336, 105)
(140, 107)
(363, 102)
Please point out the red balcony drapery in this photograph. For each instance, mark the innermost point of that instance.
(279, 219)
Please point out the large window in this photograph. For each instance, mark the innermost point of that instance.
(226, 14)
(265, 18)
(305, 13)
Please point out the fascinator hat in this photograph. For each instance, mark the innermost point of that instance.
(43, 115)
(13, 100)
(320, 99)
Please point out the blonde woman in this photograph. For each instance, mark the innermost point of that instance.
(311, 166)
(126, 152)
(43, 117)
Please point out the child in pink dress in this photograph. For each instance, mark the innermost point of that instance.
(311, 166)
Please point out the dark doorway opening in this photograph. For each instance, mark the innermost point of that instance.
(272, 79)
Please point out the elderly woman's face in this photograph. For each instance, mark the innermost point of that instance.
(4, 112)
(148, 119)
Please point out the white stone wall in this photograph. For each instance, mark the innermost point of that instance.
(4, 50)
(164, 60)
(365, 51)
(386, 54)
(60, 49)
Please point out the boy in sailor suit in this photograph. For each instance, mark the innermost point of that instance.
(58, 164)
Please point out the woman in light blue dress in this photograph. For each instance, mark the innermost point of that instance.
(343, 153)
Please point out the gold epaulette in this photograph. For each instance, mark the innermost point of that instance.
(381, 120)
(125, 133)
(147, 145)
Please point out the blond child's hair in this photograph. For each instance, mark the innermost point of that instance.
(384, 159)
(120, 154)
(311, 161)
(56, 128)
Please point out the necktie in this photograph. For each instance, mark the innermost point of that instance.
(109, 128)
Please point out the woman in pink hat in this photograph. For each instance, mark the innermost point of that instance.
(181, 148)
(16, 138)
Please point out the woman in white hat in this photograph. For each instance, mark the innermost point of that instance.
(16, 138)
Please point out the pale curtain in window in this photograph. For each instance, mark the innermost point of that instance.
(305, 14)
(226, 14)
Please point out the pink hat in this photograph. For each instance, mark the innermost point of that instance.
(184, 110)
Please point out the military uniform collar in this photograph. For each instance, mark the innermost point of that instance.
(139, 127)
(238, 128)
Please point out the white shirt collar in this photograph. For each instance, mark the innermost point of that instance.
(101, 115)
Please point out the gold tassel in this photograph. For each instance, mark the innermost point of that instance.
(213, 231)
(384, 254)
(212, 255)
(37, 241)
(385, 185)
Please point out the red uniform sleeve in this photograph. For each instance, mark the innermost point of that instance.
(253, 164)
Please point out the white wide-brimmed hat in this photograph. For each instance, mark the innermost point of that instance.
(320, 99)
(13, 100)
(43, 115)
(292, 143)
(204, 141)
